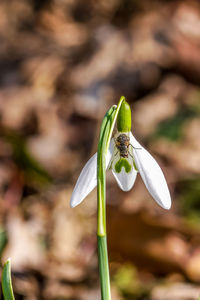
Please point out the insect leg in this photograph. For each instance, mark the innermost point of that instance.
(130, 154)
(135, 147)
(110, 167)
(116, 153)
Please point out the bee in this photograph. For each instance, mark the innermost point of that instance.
(122, 143)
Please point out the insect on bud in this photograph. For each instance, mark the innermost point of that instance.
(124, 117)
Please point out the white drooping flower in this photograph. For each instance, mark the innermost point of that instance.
(126, 157)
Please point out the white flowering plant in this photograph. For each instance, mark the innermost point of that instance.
(125, 156)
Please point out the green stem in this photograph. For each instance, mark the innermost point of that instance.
(101, 213)
(104, 141)
(103, 267)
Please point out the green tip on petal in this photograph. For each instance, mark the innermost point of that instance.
(122, 162)
(124, 117)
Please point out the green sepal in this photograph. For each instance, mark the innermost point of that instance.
(124, 117)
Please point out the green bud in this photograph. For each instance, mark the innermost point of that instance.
(124, 117)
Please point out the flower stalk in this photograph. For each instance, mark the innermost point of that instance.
(104, 141)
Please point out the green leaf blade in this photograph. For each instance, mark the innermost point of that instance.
(7, 282)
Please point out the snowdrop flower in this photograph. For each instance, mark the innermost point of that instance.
(126, 157)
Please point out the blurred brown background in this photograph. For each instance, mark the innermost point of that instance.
(63, 63)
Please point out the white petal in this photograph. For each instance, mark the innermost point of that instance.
(151, 174)
(110, 153)
(124, 180)
(87, 180)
